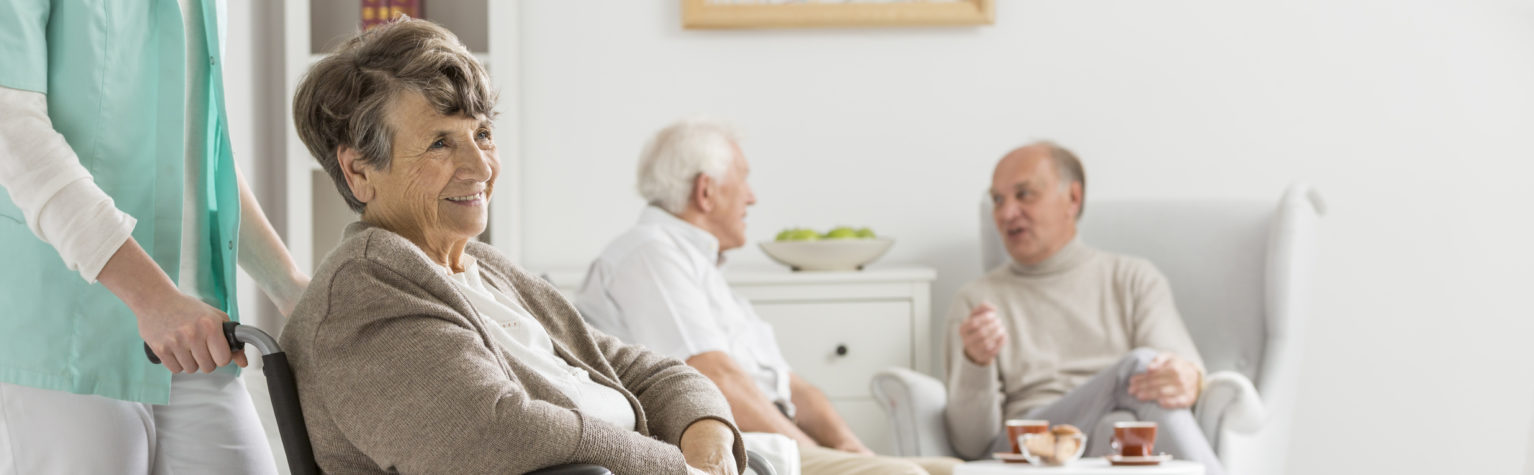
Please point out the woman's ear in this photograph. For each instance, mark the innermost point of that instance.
(356, 173)
(703, 192)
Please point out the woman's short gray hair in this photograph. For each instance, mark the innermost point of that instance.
(345, 98)
(678, 153)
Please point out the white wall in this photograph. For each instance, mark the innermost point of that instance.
(1412, 117)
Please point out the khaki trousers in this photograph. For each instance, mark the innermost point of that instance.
(816, 460)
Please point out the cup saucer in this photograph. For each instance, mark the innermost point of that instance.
(1116, 459)
(1009, 457)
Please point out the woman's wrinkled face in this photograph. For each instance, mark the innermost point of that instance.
(441, 176)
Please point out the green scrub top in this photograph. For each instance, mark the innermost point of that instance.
(114, 72)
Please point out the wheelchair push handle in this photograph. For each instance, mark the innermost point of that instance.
(284, 393)
(237, 336)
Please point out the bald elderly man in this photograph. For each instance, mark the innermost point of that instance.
(1065, 332)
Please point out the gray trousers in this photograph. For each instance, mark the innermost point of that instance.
(1177, 433)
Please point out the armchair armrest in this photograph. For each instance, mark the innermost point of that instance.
(914, 403)
(757, 463)
(1229, 402)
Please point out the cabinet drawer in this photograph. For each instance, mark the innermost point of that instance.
(873, 334)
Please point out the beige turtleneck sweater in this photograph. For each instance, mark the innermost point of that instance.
(1067, 318)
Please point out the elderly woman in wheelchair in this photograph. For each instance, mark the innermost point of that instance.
(418, 348)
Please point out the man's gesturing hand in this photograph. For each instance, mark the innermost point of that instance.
(983, 335)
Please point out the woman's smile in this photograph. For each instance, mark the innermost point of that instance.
(476, 199)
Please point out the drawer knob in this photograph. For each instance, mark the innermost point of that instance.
(841, 350)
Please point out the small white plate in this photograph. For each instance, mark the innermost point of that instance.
(1151, 460)
(1008, 457)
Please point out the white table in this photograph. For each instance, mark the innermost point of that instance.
(1086, 466)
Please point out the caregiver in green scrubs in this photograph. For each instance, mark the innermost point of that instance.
(122, 220)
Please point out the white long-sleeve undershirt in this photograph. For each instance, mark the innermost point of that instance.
(59, 200)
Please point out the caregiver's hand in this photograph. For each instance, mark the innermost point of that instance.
(709, 447)
(185, 333)
(188, 332)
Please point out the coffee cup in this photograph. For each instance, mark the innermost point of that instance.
(1017, 427)
(1134, 439)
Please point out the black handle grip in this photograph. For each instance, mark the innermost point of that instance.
(234, 343)
(841, 350)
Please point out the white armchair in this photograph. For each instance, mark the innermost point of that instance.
(1240, 274)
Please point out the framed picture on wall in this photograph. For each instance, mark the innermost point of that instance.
(702, 14)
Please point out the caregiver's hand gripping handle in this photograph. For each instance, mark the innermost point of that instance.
(235, 345)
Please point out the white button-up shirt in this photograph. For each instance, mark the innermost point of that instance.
(659, 285)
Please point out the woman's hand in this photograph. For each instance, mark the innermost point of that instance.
(709, 447)
(184, 332)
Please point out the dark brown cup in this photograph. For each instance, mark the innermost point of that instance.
(1134, 439)
(1017, 427)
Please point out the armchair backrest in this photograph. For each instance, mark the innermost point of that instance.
(1237, 271)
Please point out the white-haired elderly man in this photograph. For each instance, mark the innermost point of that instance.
(659, 285)
(1065, 332)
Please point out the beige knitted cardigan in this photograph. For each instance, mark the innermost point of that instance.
(397, 373)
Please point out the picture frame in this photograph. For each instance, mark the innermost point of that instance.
(716, 14)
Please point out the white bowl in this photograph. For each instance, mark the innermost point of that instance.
(829, 254)
(1061, 449)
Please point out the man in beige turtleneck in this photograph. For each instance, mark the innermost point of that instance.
(1065, 332)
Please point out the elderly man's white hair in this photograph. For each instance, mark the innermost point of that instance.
(673, 159)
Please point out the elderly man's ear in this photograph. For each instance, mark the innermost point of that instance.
(1076, 198)
(356, 173)
(703, 192)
